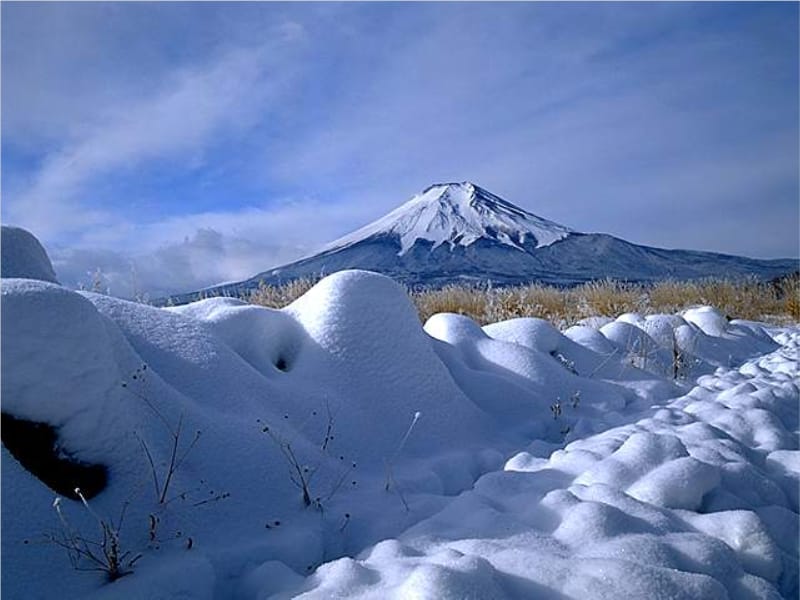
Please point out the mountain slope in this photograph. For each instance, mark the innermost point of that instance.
(460, 232)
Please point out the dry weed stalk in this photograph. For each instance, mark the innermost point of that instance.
(103, 554)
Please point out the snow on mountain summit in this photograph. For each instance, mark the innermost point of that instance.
(459, 214)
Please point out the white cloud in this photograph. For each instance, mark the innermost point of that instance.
(190, 252)
(205, 258)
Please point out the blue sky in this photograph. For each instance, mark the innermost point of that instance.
(177, 145)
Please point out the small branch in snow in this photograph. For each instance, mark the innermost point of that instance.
(390, 463)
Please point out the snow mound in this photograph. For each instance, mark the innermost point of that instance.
(23, 256)
(358, 323)
(708, 319)
(525, 379)
(269, 340)
(58, 361)
(536, 334)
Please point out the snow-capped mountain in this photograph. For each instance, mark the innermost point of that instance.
(459, 232)
(458, 214)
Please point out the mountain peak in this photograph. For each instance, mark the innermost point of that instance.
(459, 213)
(459, 232)
(467, 186)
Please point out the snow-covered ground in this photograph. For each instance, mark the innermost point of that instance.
(637, 457)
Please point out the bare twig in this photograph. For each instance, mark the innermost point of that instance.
(301, 474)
(177, 455)
(390, 463)
(106, 554)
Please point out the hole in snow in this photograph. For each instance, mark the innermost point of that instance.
(281, 364)
(35, 446)
(564, 361)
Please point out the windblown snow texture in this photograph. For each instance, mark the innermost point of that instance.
(442, 460)
(459, 232)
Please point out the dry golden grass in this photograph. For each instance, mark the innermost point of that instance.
(788, 291)
(609, 298)
(530, 301)
(777, 301)
(747, 299)
(273, 296)
(461, 300)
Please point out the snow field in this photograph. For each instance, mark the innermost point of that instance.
(680, 504)
(444, 461)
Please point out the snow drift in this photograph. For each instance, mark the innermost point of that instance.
(340, 448)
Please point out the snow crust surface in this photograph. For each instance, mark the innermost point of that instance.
(639, 457)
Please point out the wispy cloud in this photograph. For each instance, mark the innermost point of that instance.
(178, 122)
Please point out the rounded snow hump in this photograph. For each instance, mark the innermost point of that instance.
(23, 256)
(358, 323)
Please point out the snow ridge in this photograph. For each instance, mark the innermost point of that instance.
(458, 214)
